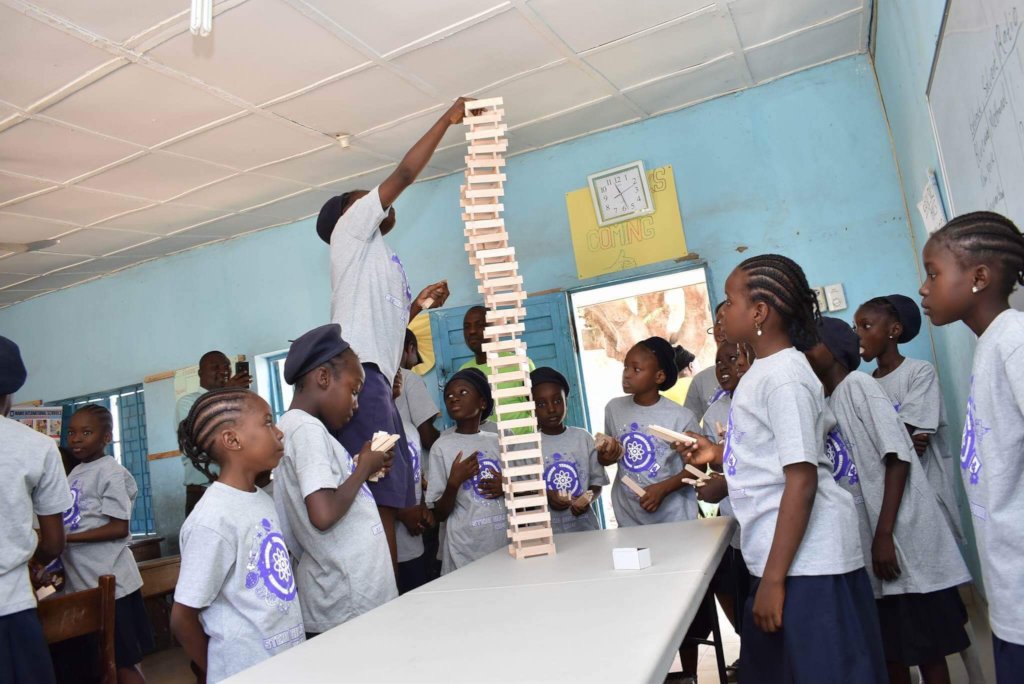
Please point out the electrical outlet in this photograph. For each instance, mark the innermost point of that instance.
(822, 299)
(836, 297)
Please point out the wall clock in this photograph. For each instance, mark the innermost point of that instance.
(621, 193)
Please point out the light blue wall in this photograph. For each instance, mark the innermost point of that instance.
(801, 166)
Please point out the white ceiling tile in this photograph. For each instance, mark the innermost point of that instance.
(236, 56)
(396, 140)
(15, 296)
(324, 165)
(356, 103)
(103, 265)
(388, 26)
(604, 114)
(367, 181)
(36, 59)
(688, 43)
(490, 51)
(163, 219)
(54, 281)
(75, 205)
(236, 224)
(450, 159)
(36, 263)
(157, 176)
(242, 192)
(112, 19)
(758, 21)
(12, 187)
(247, 142)
(546, 92)
(708, 81)
(24, 229)
(163, 246)
(96, 242)
(805, 49)
(7, 280)
(140, 105)
(296, 207)
(46, 150)
(585, 24)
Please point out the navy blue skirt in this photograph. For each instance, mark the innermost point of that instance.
(24, 656)
(377, 412)
(829, 634)
(923, 628)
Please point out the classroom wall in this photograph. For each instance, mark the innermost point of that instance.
(801, 166)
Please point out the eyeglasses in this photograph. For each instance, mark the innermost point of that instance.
(711, 330)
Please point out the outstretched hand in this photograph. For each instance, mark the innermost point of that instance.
(702, 451)
(433, 296)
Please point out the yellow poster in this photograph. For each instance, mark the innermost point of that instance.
(633, 243)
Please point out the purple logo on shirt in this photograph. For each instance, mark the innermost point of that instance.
(270, 567)
(974, 431)
(728, 455)
(562, 476)
(838, 454)
(414, 458)
(73, 516)
(719, 393)
(896, 405)
(639, 452)
(405, 279)
(489, 469)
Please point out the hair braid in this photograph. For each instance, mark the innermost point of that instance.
(213, 411)
(101, 413)
(984, 237)
(780, 283)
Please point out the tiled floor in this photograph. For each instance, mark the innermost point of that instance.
(171, 666)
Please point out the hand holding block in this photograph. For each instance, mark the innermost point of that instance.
(381, 441)
(700, 474)
(44, 591)
(631, 558)
(696, 484)
(428, 302)
(719, 430)
(670, 435)
(633, 486)
(584, 499)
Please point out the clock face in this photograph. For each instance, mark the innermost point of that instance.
(620, 194)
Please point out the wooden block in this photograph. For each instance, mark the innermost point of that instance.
(502, 378)
(515, 519)
(526, 534)
(696, 484)
(511, 393)
(700, 474)
(529, 438)
(510, 267)
(44, 591)
(477, 193)
(483, 132)
(502, 330)
(719, 430)
(489, 148)
(521, 502)
(516, 423)
(585, 498)
(502, 282)
(381, 441)
(530, 552)
(486, 223)
(475, 178)
(518, 471)
(502, 345)
(487, 103)
(473, 209)
(600, 438)
(484, 163)
(496, 253)
(523, 486)
(505, 361)
(670, 436)
(518, 407)
(504, 298)
(493, 116)
(499, 314)
(633, 485)
(498, 238)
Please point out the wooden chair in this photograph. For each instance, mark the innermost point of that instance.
(159, 577)
(80, 613)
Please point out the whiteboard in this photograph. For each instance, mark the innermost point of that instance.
(976, 98)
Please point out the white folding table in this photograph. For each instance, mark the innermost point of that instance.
(562, 618)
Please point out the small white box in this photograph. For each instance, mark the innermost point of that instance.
(631, 558)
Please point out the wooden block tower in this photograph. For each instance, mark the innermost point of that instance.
(494, 264)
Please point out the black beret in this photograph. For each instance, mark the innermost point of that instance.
(478, 380)
(329, 215)
(410, 338)
(313, 349)
(548, 374)
(12, 368)
(841, 340)
(908, 315)
(666, 356)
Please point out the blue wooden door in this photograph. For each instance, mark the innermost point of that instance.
(549, 342)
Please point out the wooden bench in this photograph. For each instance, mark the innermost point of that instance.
(80, 613)
(159, 577)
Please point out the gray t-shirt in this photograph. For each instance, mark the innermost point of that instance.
(867, 429)
(779, 418)
(913, 387)
(646, 459)
(408, 546)
(192, 475)
(100, 490)
(370, 295)
(703, 391)
(415, 404)
(993, 469)
(476, 526)
(570, 464)
(236, 571)
(718, 413)
(31, 482)
(346, 570)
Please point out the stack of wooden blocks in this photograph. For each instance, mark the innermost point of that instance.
(494, 264)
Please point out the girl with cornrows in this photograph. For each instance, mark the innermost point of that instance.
(811, 614)
(972, 264)
(235, 603)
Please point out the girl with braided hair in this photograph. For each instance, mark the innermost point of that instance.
(972, 265)
(811, 614)
(235, 603)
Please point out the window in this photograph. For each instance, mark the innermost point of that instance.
(129, 446)
(280, 392)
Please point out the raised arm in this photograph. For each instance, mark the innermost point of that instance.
(417, 157)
